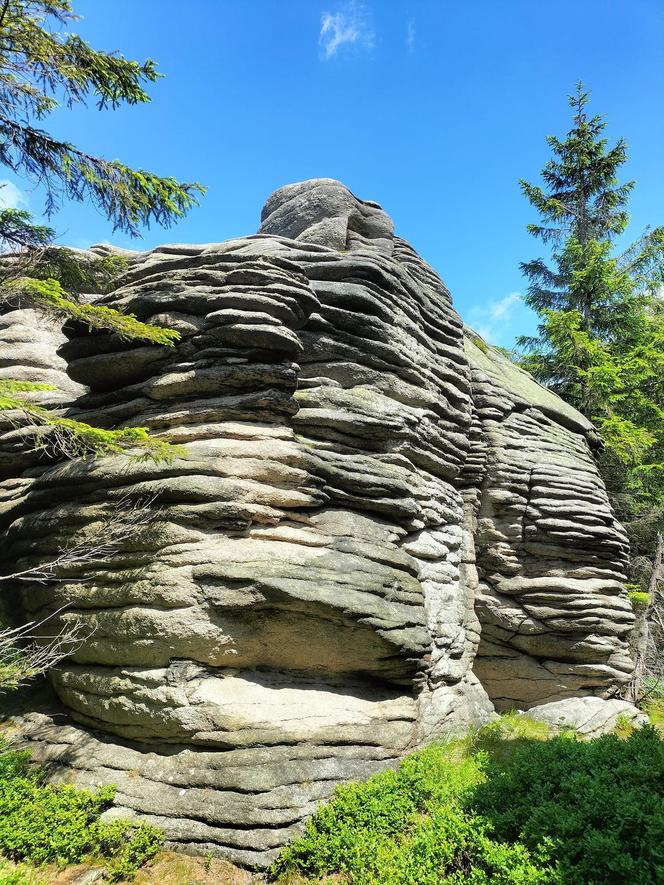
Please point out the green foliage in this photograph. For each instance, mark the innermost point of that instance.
(42, 63)
(14, 666)
(18, 875)
(636, 596)
(478, 342)
(581, 197)
(410, 827)
(49, 295)
(600, 342)
(127, 846)
(65, 437)
(10, 393)
(77, 274)
(74, 439)
(600, 803)
(506, 806)
(17, 231)
(60, 824)
(654, 706)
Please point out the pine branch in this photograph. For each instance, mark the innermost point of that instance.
(49, 295)
(58, 437)
(130, 198)
(70, 65)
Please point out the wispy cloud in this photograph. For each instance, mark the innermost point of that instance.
(350, 25)
(410, 35)
(11, 197)
(494, 319)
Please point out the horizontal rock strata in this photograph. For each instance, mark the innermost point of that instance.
(364, 498)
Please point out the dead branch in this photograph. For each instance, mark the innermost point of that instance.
(27, 651)
(128, 520)
(648, 677)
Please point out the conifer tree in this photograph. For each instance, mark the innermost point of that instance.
(582, 207)
(43, 65)
(600, 341)
(585, 290)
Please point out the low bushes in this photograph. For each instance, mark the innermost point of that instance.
(505, 807)
(600, 803)
(60, 824)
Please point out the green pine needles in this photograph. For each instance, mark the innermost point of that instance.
(66, 438)
(44, 65)
(600, 341)
(49, 295)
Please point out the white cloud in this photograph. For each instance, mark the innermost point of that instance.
(11, 197)
(501, 309)
(350, 25)
(410, 35)
(493, 320)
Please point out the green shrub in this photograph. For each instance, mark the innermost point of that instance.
(638, 597)
(128, 846)
(506, 807)
(654, 707)
(601, 803)
(60, 824)
(654, 688)
(409, 827)
(18, 875)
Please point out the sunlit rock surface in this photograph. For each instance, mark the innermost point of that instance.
(378, 530)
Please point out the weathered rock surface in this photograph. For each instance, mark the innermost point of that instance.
(590, 716)
(550, 553)
(28, 352)
(29, 342)
(379, 528)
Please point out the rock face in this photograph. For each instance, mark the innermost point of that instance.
(28, 352)
(378, 530)
(589, 716)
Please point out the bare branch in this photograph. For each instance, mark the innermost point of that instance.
(127, 520)
(27, 651)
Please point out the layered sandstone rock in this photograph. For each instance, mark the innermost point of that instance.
(550, 553)
(378, 529)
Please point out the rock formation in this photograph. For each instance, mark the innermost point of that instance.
(379, 530)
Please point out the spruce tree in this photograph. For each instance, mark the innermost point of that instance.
(43, 65)
(582, 207)
(600, 341)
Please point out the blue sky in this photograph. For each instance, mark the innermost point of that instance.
(435, 109)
